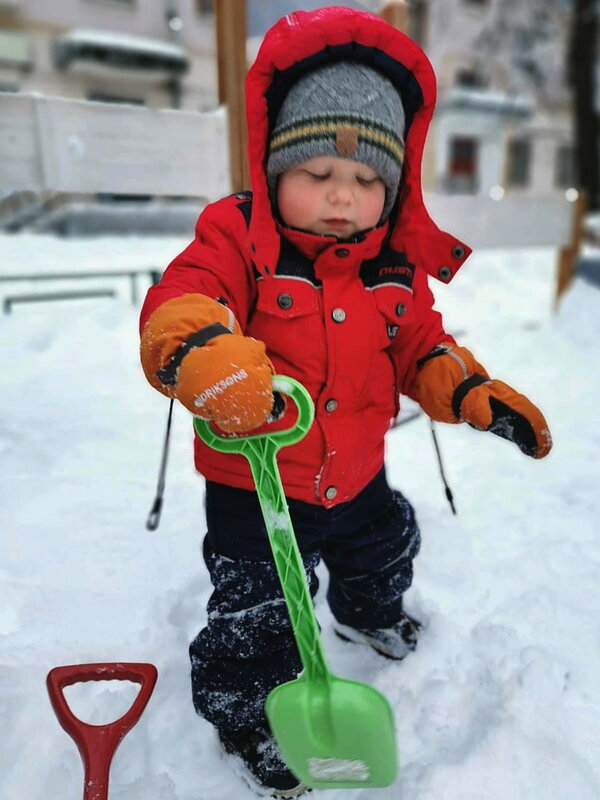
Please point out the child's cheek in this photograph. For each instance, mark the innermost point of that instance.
(372, 208)
(297, 206)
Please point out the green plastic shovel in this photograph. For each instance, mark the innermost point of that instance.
(333, 733)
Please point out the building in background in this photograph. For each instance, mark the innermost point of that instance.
(157, 53)
(160, 54)
(503, 123)
(504, 117)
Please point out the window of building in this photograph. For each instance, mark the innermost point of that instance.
(470, 78)
(15, 50)
(477, 3)
(8, 87)
(205, 7)
(462, 173)
(103, 97)
(128, 3)
(109, 197)
(565, 167)
(519, 163)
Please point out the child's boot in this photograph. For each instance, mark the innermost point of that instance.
(264, 766)
(395, 642)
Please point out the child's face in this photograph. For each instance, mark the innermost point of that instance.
(332, 196)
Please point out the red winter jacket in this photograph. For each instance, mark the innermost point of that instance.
(349, 320)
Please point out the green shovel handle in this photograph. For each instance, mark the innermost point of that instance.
(243, 444)
(260, 449)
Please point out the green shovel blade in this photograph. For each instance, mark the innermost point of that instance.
(335, 736)
(333, 733)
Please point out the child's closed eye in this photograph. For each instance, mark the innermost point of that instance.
(367, 181)
(318, 176)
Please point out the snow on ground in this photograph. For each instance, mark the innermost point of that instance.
(501, 699)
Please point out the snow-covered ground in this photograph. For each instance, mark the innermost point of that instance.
(501, 699)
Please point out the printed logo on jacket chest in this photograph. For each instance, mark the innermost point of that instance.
(395, 269)
(390, 275)
(389, 267)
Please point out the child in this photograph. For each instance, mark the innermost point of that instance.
(320, 274)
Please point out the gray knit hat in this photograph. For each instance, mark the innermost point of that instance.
(347, 110)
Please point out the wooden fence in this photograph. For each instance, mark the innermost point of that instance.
(50, 144)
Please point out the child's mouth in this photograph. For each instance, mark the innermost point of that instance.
(336, 223)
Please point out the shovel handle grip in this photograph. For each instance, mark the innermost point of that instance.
(246, 444)
(97, 743)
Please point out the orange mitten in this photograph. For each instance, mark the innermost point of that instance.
(451, 386)
(227, 380)
(192, 348)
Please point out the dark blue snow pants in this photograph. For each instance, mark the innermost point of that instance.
(247, 647)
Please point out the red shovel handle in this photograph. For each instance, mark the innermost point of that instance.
(97, 743)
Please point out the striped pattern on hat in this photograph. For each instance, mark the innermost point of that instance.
(322, 127)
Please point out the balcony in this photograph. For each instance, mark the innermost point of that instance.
(105, 53)
(460, 98)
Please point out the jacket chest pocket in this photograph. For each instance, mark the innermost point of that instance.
(395, 307)
(287, 298)
(287, 317)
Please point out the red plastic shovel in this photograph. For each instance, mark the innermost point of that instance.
(97, 743)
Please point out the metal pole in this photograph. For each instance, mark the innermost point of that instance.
(174, 25)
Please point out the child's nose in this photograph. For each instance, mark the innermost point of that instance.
(340, 194)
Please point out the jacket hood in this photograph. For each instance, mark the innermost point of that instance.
(305, 40)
